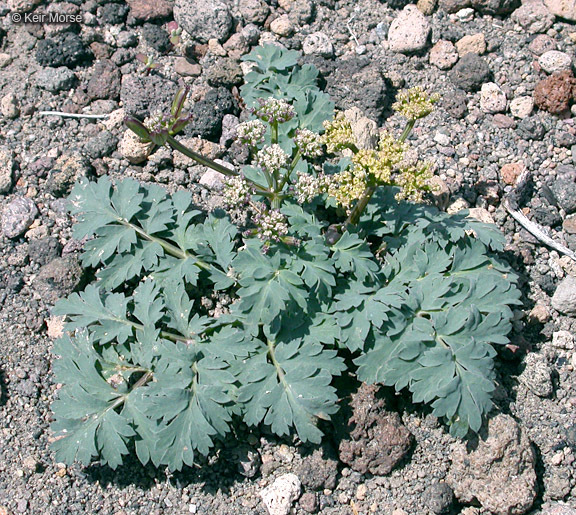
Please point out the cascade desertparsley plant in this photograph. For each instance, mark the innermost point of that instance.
(340, 271)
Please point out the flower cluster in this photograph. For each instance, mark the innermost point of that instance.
(309, 143)
(251, 133)
(338, 134)
(272, 158)
(273, 111)
(347, 186)
(236, 191)
(372, 163)
(390, 149)
(158, 122)
(308, 187)
(415, 103)
(272, 225)
(413, 182)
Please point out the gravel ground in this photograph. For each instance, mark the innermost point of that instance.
(505, 74)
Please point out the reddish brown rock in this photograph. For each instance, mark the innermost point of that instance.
(504, 122)
(569, 225)
(555, 93)
(105, 81)
(541, 44)
(498, 470)
(377, 440)
(184, 67)
(510, 172)
(100, 50)
(146, 10)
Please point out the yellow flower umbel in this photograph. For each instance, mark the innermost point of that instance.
(338, 134)
(347, 186)
(413, 182)
(384, 166)
(415, 103)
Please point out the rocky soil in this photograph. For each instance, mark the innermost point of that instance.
(505, 73)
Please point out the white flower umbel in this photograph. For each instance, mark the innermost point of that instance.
(236, 191)
(272, 225)
(308, 187)
(251, 133)
(272, 158)
(309, 143)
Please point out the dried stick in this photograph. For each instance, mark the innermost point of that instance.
(510, 203)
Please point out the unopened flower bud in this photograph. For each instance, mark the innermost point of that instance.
(338, 135)
(273, 110)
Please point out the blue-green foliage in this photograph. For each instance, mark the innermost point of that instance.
(410, 297)
(277, 74)
(146, 370)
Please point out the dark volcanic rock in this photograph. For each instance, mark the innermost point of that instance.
(225, 72)
(44, 250)
(57, 279)
(438, 497)
(456, 104)
(105, 81)
(377, 440)
(319, 470)
(156, 37)
(564, 190)
(67, 170)
(65, 49)
(140, 97)
(531, 128)
(101, 145)
(112, 13)
(207, 114)
(470, 72)
(357, 83)
(495, 6)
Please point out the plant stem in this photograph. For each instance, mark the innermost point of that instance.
(358, 209)
(272, 356)
(293, 164)
(146, 378)
(274, 132)
(200, 159)
(407, 130)
(204, 161)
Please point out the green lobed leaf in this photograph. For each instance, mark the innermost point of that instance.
(287, 385)
(351, 254)
(87, 424)
(104, 314)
